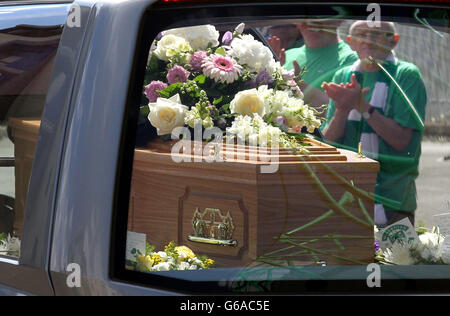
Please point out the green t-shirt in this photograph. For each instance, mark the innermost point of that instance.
(395, 187)
(320, 63)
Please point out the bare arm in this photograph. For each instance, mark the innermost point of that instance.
(350, 96)
(314, 96)
(336, 128)
(397, 136)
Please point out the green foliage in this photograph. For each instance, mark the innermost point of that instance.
(170, 249)
(156, 70)
(149, 249)
(421, 229)
(145, 111)
(170, 91)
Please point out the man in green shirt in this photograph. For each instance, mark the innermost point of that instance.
(384, 112)
(322, 55)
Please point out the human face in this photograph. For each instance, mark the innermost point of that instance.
(376, 42)
(312, 27)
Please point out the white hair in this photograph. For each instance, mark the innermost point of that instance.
(390, 26)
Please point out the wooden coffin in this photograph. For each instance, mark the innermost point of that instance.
(25, 133)
(317, 207)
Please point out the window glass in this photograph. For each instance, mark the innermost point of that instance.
(292, 148)
(28, 47)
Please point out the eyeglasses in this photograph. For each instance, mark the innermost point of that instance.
(372, 34)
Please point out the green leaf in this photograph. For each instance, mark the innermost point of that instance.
(221, 51)
(154, 63)
(149, 248)
(200, 79)
(144, 110)
(421, 229)
(217, 101)
(170, 90)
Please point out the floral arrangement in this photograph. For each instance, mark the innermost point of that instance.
(427, 250)
(9, 245)
(234, 84)
(172, 258)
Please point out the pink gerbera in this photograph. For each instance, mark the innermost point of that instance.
(221, 68)
(177, 74)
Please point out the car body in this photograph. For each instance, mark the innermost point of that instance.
(73, 201)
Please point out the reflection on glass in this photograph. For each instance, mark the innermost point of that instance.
(29, 38)
(294, 156)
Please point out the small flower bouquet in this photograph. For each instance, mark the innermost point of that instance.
(235, 84)
(427, 250)
(9, 245)
(172, 258)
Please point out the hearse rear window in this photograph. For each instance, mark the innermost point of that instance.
(302, 148)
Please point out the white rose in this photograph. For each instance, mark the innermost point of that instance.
(166, 114)
(170, 45)
(198, 36)
(248, 102)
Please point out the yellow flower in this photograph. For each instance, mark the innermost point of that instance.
(184, 252)
(144, 263)
(157, 259)
(209, 262)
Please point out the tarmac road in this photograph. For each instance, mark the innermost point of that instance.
(433, 183)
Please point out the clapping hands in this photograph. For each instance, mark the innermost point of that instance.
(346, 96)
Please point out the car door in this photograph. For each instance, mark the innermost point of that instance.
(29, 39)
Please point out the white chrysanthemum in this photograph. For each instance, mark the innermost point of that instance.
(268, 135)
(241, 126)
(195, 261)
(275, 66)
(280, 101)
(163, 255)
(399, 254)
(171, 45)
(183, 266)
(10, 246)
(162, 266)
(248, 51)
(430, 246)
(221, 69)
(254, 130)
(193, 267)
(199, 37)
